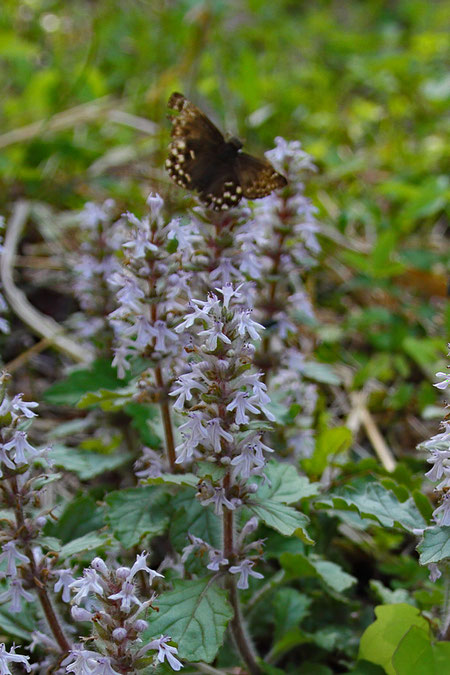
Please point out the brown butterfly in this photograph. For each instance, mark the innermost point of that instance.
(201, 159)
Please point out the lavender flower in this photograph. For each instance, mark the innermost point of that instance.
(11, 657)
(113, 605)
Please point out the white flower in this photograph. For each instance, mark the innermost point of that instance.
(23, 406)
(215, 333)
(11, 657)
(127, 596)
(229, 292)
(89, 583)
(165, 651)
(65, 579)
(11, 555)
(445, 382)
(245, 569)
(141, 566)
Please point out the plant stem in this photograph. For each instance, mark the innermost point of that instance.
(445, 610)
(238, 631)
(50, 614)
(167, 422)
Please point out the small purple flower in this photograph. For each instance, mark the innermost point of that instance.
(11, 657)
(165, 651)
(14, 595)
(65, 579)
(141, 566)
(89, 583)
(245, 569)
(127, 596)
(23, 406)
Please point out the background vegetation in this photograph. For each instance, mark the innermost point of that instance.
(365, 87)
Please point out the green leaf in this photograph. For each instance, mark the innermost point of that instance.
(381, 639)
(187, 479)
(435, 545)
(320, 372)
(366, 668)
(195, 614)
(144, 419)
(290, 608)
(109, 400)
(373, 501)
(18, 625)
(134, 513)
(90, 542)
(285, 484)
(388, 597)
(284, 519)
(332, 575)
(291, 638)
(87, 464)
(416, 654)
(329, 443)
(80, 516)
(78, 383)
(191, 516)
(426, 352)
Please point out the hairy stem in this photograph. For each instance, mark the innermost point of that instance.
(239, 633)
(242, 640)
(50, 614)
(167, 421)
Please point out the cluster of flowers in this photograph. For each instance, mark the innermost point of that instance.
(93, 266)
(112, 606)
(150, 284)
(220, 395)
(20, 490)
(439, 448)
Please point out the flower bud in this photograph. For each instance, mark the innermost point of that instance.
(119, 634)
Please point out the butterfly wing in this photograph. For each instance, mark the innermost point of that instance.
(194, 144)
(200, 159)
(257, 177)
(196, 156)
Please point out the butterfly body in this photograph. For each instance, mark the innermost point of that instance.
(201, 159)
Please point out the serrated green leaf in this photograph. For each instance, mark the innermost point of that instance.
(188, 479)
(284, 519)
(134, 513)
(145, 419)
(388, 597)
(107, 399)
(195, 614)
(18, 625)
(435, 545)
(332, 575)
(90, 542)
(80, 516)
(78, 383)
(373, 501)
(191, 517)
(87, 464)
(290, 608)
(285, 484)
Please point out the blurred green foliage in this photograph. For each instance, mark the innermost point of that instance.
(363, 85)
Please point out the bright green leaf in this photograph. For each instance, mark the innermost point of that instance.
(381, 639)
(134, 513)
(195, 614)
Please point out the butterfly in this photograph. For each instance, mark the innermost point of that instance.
(201, 159)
